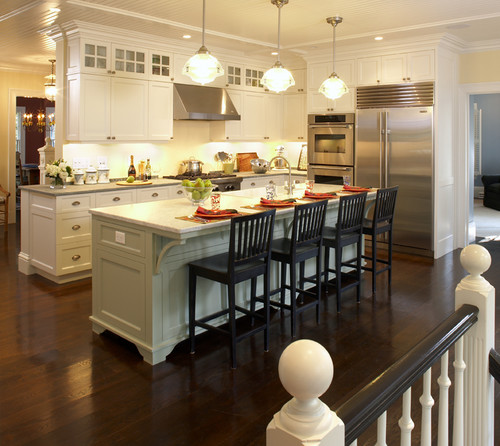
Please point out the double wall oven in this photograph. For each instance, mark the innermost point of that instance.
(330, 141)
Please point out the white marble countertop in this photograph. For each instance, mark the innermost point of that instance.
(161, 215)
(112, 186)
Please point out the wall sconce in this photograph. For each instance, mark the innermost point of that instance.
(40, 121)
(27, 120)
(51, 119)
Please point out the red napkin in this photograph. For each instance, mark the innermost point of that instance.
(287, 201)
(220, 212)
(356, 189)
(319, 194)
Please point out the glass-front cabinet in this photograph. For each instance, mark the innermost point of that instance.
(160, 66)
(129, 62)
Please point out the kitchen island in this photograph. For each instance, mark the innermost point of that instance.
(140, 254)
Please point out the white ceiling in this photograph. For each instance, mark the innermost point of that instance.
(248, 26)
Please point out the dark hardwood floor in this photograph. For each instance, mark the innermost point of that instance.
(61, 384)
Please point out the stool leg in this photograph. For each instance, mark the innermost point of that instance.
(232, 323)
(390, 256)
(318, 284)
(267, 287)
(192, 306)
(338, 273)
(326, 266)
(283, 283)
(374, 263)
(293, 293)
(253, 295)
(302, 269)
(358, 270)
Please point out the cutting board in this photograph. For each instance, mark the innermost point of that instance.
(244, 161)
(135, 183)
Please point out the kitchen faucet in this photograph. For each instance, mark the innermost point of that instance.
(290, 184)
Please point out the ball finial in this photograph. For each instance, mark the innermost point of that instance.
(475, 259)
(305, 369)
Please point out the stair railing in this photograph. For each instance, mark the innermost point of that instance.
(306, 372)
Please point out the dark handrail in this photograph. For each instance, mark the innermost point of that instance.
(495, 365)
(360, 411)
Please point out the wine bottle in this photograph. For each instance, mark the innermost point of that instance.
(148, 170)
(131, 169)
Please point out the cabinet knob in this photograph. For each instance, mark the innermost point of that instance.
(179, 192)
(76, 227)
(155, 194)
(113, 137)
(108, 137)
(116, 199)
(252, 184)
(75, 257)
(271, 182)
(75, 203)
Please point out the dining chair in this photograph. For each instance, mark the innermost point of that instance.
(304, 243)
(248, 258)
(347, 231)
(381, 223)
(4, 209)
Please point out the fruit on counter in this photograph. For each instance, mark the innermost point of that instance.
(130, 179)
(208, 183)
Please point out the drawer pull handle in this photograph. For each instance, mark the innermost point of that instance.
(76, 203)
(179, 192)
(252, 184)
(75, 257)
(76, 227)
(155, 194)
(116, 199)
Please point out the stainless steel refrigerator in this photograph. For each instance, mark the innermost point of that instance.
(394, 146)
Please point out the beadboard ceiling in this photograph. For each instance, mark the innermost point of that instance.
(248, 27)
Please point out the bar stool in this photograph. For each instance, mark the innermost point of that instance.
(303, 244)
(383, 216)
(347, 231)
(4, 209)
(248, 257)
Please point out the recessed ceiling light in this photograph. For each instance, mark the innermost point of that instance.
(186, 36)
(274, 53)
(379, 38)
(54, 10)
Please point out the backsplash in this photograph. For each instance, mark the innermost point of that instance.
(190, 140)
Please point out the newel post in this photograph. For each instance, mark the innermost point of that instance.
(46, 157)
(478, 396)
(306, 371)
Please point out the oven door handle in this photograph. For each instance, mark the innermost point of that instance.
(346, 126)
(345, 169)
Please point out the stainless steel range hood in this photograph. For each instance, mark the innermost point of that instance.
(194, 102)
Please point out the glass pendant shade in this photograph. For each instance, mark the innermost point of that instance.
(277, 78)
(50, 85)
(203, 67)
(333, 87)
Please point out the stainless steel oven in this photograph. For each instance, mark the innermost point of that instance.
(338, 175)
(330, 139)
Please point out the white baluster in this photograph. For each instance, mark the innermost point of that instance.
(458, 407)
(444, 386)
(406, 424)
(426, 401)
(478, 341)
(354, 443)
(306, 371)
(382, 430)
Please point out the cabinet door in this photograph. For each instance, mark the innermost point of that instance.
(273, 116)
(393, 68)
(160, 111)
(233, 129)
(129, 62)
(129, 109)
(369, 70)
(254, 124)
(421, 66)
(234, 75)
(95, 57)
(294, 117)
(316, 74)
(299, 76)
(94, 110)
(160, 66)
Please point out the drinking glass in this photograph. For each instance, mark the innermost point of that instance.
(215, 197)
(270, 191)
(347, 180)
(309, 185)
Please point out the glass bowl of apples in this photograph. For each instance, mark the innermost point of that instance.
(197, 191)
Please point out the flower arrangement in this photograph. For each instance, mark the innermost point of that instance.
(59, 171)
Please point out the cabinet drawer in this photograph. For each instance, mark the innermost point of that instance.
(115, 198)
(71, 227)
(153, 194)
(72, 203)
(120, 237)
(74, 257)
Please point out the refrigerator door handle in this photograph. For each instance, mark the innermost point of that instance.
(381, 119)
(386, 151)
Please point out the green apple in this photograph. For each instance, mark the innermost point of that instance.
(130, 179)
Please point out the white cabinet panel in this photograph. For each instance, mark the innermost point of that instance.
(95, 111)
(161, 121)
(393, 68)
(369, 70)
(294, 117)
(115, 198)
(421, 66)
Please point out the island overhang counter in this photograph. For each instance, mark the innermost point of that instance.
(140, 254)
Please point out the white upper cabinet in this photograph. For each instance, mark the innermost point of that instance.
(396, 68)
(129, 62)
(160, 111)
(294, 117)
(160, 67)
(299, 76)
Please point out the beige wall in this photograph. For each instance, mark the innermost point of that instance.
(12, 84)
(480, 67)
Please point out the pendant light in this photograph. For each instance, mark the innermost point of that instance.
(333, 87)
(50, 85)
(278, 78)
(203, 67)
